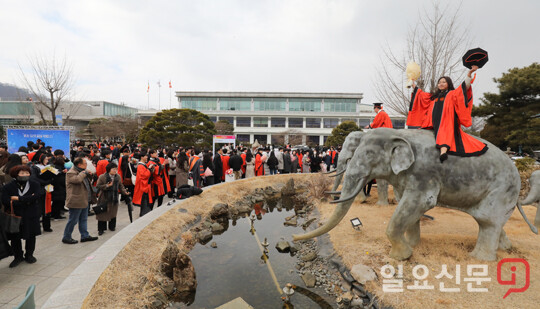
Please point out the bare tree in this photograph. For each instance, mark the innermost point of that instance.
(50, 82)
(437, 43)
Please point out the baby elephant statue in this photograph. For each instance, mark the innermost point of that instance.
(534, 195)
(347, 151)
(486, 187)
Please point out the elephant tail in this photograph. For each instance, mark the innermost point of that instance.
(533, 228)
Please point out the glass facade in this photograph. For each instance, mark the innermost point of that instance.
(243, 121)
(312, 140)
(305, 105)
(269, 104)
(313, 122)
(200, 104)
(296, 123)
(330, 122)
(118, 110)
(260, 122)
(17, 108)
(242, 138)
(340, 105)
(262, 139)
(235, 104)
(278, 139)
(213, 119)
(364, 122)
(398, 124)
(277, 122)
(229, 119)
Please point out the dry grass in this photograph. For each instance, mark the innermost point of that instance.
(447, 240)
(130, 279)
(318, 184)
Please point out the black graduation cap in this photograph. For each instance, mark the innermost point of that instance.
(379, 105)
(476, 56)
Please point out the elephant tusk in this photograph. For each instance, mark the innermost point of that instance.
(352, 196)
(338, 173)
(326, 173)
(332, 192)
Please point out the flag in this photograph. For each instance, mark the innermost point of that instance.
(170, 85)
(148, 89)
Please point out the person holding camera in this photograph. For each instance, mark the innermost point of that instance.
(109, 185)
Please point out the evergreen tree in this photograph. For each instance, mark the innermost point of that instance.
(180, 127)
(340, 132)
(512, 115)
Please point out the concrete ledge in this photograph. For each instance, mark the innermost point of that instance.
(73, 290)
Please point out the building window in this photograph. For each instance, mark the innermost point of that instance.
(213, 119)
(243, 121)
(262, 139)
(398, 124)
(340, 105)
(277, 122)
(260, 122)
(313, 122)
(268, 104)
(305, 105)
(228, 119)
(312, 140)
(364, 122)
(242, 138)
(330, 122)
(17, 108)
(200, 104)
(296, 123)
(235, 104)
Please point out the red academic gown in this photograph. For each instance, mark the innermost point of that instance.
(243, 155)
(101, 167)
(445, 115)
(382, 120)
(157, 182)
(142, 185)
(259, 168)
(300, 157)
(225, 161)
(165, 175)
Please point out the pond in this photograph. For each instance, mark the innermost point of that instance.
(237, 268)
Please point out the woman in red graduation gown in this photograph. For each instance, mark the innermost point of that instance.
(445, 111)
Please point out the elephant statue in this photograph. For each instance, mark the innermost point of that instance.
(486, 187)
(534, 195)
(347, 151)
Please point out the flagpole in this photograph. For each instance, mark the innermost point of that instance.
(170, 95)
(159, 95)
(148, 94)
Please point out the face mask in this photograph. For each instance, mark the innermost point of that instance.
(23, 179)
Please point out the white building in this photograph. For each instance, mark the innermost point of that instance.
(277, 118)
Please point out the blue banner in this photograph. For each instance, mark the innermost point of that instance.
(57, 139)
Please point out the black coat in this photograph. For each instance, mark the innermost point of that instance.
(287, 162)
(28, 207)
(218, 166)
(59, 184)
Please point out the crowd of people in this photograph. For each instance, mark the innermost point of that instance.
(40, 184)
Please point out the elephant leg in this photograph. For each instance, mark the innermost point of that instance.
(413, 234)
(407, 214)
(504, 242)
(487, 242)
(537, 218)
(382, 192)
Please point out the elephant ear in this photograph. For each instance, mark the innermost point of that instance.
(402, 155)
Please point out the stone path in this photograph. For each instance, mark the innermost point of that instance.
(55, 260)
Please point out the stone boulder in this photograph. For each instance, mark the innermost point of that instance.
(283, 246)
(168, 258)
(219, 210)
(288, 189)
(291, 222)
(362, 273)
(184, 274)
(309, 279)
(309, 256)
(217, 228)
(204, 236)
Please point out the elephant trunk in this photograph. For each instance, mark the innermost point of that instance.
(339, 212)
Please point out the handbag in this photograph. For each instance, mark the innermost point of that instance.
(208, 172)
(10, 222)
(100, 208)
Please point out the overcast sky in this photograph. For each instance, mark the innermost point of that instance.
(116, 47)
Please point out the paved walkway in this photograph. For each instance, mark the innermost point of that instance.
(55, 260)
